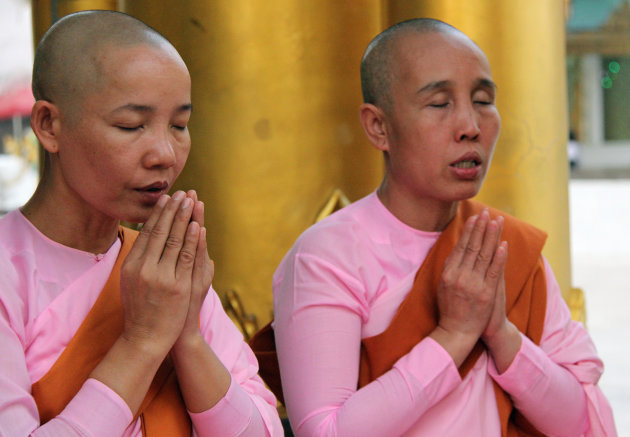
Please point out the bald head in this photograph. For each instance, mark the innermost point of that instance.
(379, 57)
(68, 59)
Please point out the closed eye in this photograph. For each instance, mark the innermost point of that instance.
(129, 128)
(438, 105)
(180, 128)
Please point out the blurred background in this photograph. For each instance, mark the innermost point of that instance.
(277, 144)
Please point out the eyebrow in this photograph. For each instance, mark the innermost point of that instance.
(487, 83)
(442, 84)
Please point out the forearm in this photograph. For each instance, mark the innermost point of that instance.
(235, 414)
(504, 346)
(219, 382)
(319, 364)
(95, 411)
(457, 345)
(546, 393)
(203, 380)
(128, 368)
(387, 406)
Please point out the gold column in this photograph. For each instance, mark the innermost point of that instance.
(47, 11)
(529, 173)
(275, 125)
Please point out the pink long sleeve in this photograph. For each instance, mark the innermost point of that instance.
(248, 408)
(564, 371)
(318, 339)
(319, 356)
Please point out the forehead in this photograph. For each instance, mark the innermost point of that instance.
(438, 56)
(117, 65)
(141, 74)
(111, 57)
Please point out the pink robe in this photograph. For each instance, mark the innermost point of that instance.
(343, 281)
(45, 292)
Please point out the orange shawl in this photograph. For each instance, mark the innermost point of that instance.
(162, 411)
(417, 316)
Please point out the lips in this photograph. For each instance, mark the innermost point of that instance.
(155, 187)
(468, 167)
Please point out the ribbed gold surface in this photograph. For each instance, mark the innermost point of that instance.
(275, 125)
(45, 10)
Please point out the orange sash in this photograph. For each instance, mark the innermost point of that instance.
(417, 316)
(162, 412)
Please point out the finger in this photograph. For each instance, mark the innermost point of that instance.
(476, 239)
(141, 243)
(176, 237)
(488, 246)
(204, 267)
(160, 231)
(500, 220)
(187, 254)
(456, 256)
(497, 268)
(192, 194)
(198, 213)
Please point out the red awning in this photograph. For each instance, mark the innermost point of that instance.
(16, 101)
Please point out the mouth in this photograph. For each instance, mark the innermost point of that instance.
(471, 159)
(156, 186)
(155, 189)
(469, 163)
(468, 167)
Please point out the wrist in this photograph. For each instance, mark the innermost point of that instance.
(504, 346)
(504, 334)
(457, 344)
(144, 346)
(188, 342)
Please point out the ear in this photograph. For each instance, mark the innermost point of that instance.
(45, 123)
(374, 122)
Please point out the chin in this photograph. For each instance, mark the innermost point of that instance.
(140, 215)
(466, 194)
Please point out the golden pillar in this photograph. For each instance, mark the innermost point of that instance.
(46, 12)
(529, 174)
(275, 127)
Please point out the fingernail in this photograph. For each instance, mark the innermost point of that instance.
(178, 195)
(186, 203)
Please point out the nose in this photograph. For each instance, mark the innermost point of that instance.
(161, 152)
(467, 127)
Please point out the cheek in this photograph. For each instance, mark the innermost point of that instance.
(182, 151)
(491, 129)
(495, 123)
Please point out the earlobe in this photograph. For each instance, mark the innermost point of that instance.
(374, 124)
(45, 123)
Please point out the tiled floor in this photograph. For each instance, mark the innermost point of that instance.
(600, 240)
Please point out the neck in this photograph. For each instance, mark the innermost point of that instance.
(424, 214)
(62, 219)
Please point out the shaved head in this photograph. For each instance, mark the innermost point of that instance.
(69, 57)
(378, 60)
